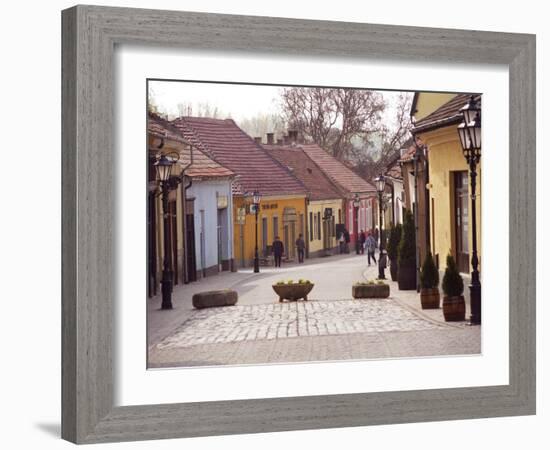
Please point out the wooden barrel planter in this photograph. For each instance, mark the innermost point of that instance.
(293, 292)
(454, 308)
(406, 276)
(429, 298)
(370, 291)
(208, 299)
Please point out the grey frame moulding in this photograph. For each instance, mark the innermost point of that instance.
(89, 36)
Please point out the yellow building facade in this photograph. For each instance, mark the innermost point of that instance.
(450, 197)
(424, 103)
(283, 216)
(322, 218)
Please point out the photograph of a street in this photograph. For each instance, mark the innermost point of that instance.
(330, 326)
(290, 224)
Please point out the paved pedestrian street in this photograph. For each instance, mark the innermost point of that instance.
(330, 326)
(284, 320)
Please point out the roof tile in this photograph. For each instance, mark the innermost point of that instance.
(319, 187)
(202, 166)
(345, 178)
(223, 141)
(446, 114)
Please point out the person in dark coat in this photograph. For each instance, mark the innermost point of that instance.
(347, 239)
(382, 262)
(362, 239)
(371, 248)
(278, 250)
(301, 247)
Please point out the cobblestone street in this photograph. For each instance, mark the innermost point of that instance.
(329, 326)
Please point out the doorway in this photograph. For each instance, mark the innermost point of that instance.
(461, 220)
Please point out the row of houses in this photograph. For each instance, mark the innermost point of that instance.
(303, 191)
(431, 178)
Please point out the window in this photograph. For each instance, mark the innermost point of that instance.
(264, 235)
(275, 227)
(311, 226)
(319, 226)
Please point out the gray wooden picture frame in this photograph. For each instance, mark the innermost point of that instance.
(90, 34)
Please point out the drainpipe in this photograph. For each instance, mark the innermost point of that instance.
(427, 199)
(184, 209)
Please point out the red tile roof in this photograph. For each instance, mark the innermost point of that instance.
(447, 114)
(226, 143)
(319, 187)
(346, 179)
(203, 166)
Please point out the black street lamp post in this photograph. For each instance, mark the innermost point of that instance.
(469, 132)
(380, 182)
(164, 170)
(256, 202)
(356, 205)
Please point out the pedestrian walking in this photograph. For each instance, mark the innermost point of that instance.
(376, 236)
(342, 243)
(362, 239)
(301, 247)
(370, 243)
(347, 239)
(382, 262)
(278, 250)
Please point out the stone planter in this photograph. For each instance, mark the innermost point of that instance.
(224, 297)
(454, 308)
(293, 292)
(370, 291)
(406, 276)
(429, 298)
(393, 269)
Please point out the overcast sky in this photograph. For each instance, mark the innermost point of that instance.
(240, 101)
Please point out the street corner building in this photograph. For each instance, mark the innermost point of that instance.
(199, 209)
(282, 205)
(445, 217)
(324, 201)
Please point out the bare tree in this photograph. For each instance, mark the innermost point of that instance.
(333, 118)
(395, 134)
(203, 109)
(261, 124)
(370, 161)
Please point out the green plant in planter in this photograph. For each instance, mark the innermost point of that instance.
(406, 254)
(393, 244)
(429, 282)
(407, 243)
(393, 241)
(429, 275)
(454, 307)
(453, 285)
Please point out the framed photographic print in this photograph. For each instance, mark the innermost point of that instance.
(253, 213)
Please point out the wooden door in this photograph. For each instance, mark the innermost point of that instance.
(174, 240)
(461, 220)
(190, 242)
(152, 279)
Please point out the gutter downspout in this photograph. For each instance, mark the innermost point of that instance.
(185, 247)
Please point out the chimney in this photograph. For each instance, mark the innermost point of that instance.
(270, 137)
(258, 140)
